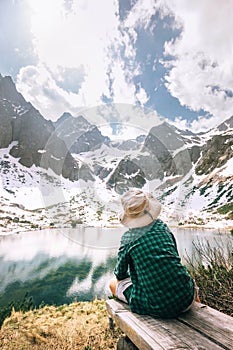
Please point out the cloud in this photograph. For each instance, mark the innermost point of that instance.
(201, 72)
(15, 37)
(141, 14)
(201, 123)
(84, 53)
(87, 55)
(199, 64)
(143, 11)
(141, 95)
(39, 88)
(70, 79)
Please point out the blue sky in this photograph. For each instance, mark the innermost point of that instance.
(172, 56)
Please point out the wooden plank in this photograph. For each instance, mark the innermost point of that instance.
(114, 306)
(210, 322)
(148, 333)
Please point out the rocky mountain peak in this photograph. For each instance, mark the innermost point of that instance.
(215, 153)
(81, 120)
(78, 134)
(36, 140)
(166, 134)
(226, 125)
(8, 91)
(65, 116)
(68, 119)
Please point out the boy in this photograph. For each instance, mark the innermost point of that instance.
(149, 273)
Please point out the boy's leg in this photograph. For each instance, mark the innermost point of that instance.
(118, 287)
(197, 298)
(113, 285)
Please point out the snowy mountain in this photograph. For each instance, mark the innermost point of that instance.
(78, 134)
(66, 172)
(36, 142)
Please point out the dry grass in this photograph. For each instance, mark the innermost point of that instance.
(81, 325)
(212, 268)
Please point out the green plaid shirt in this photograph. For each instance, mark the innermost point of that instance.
(161, 285)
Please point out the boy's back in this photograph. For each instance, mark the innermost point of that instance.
(161, 285)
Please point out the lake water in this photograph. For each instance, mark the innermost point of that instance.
(61, 265)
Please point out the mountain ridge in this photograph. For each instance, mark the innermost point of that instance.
(183, 169)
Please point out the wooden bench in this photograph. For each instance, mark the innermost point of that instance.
(200, 328)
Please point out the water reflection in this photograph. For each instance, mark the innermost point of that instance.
(57, 267)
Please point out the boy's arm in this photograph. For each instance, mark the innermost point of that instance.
(121, 269)
(167, 229)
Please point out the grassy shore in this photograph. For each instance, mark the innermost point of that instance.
(80, 325)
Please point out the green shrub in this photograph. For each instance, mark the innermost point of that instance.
(226, 209)
(212, 269)
(24, 305)
(73, 224)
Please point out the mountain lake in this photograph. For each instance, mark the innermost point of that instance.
(59, 266)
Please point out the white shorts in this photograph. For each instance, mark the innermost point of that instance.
(121, 287)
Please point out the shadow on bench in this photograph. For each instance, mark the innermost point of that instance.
(199, 328)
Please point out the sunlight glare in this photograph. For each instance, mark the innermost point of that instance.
(46, 16)
(50, 29)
